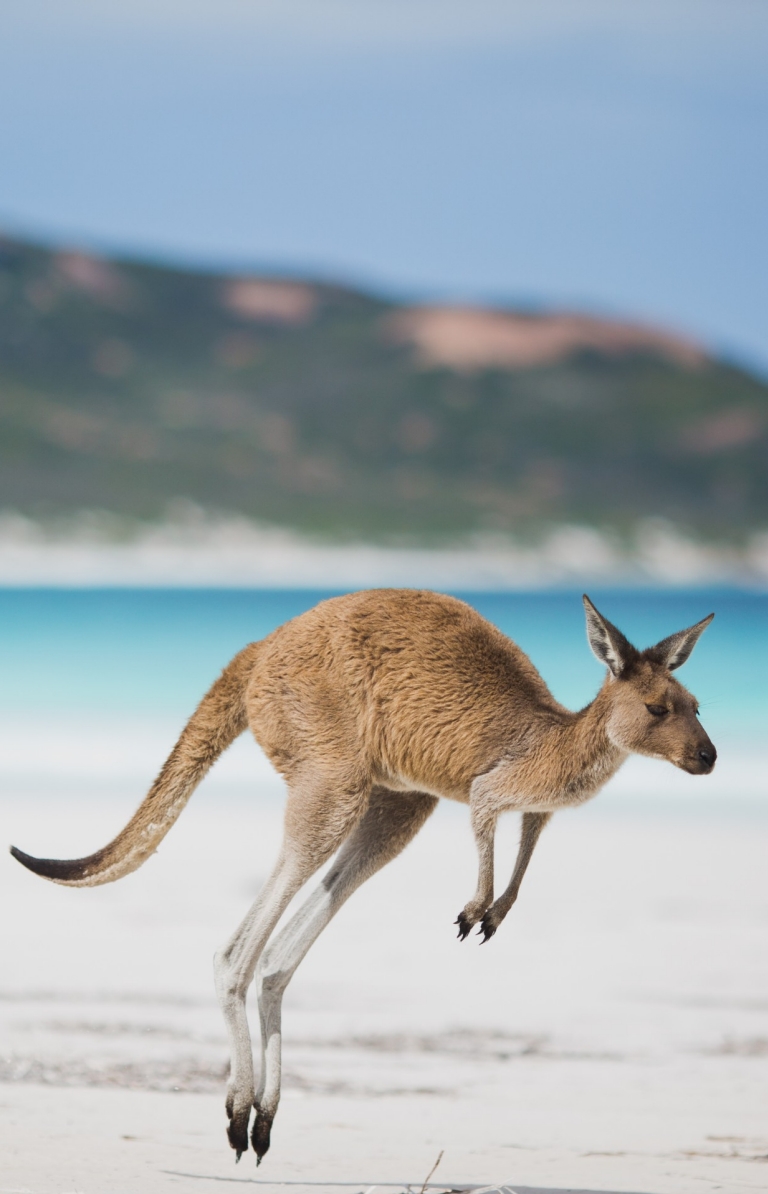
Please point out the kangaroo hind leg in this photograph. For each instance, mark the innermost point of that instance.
(320, 814)
(390, 822)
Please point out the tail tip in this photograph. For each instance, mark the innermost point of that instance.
(26, 860)
(49, 868)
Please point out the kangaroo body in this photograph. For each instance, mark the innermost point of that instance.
(372, 706)
(411, 691)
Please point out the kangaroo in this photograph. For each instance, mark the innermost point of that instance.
(372, 706)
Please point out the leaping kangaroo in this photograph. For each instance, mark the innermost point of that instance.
(372, 706)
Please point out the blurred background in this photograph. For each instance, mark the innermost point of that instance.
(405, 274)
(297, 297)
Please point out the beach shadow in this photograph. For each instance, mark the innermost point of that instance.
(405, 1187)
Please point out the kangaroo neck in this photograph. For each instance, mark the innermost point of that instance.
(586, 758)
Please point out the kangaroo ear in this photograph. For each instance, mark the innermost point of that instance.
(672, 652)
(608, 644)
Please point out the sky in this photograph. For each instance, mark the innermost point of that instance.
(610, 156)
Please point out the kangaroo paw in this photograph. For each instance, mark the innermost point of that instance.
(487, 928)
(465, 926)
(469, 916)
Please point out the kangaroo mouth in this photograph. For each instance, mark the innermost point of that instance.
(702, 763)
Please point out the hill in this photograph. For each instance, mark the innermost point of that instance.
(125, 386)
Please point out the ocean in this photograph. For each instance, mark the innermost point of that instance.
(96, 683)
(151, 651)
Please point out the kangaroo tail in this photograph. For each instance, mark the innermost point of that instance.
(218, 720)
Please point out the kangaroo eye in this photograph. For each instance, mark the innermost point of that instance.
(657, 710)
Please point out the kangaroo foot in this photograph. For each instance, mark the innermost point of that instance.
(239, 1112)
(260, 1133)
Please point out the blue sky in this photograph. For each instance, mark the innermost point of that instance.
(611, 155)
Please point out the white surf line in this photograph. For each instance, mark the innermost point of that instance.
(202, 551)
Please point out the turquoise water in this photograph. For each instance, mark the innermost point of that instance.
(150, 652)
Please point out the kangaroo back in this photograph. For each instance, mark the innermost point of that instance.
(218, 720)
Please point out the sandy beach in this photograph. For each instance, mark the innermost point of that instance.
(612, 1037)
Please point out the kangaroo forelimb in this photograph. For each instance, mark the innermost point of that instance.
(533, 823)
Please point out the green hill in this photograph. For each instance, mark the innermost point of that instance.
(124, 386)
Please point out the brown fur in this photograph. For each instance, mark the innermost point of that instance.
(218, 720)
(371, 706)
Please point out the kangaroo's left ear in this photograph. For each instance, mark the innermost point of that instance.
(672, 652)
(606, 640)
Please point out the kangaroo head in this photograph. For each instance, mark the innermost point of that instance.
(650, 713)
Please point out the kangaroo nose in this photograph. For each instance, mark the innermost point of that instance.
(708, 754)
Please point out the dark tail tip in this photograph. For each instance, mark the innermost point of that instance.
(50, 868)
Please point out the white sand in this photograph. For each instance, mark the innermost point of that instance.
(613, 1036)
